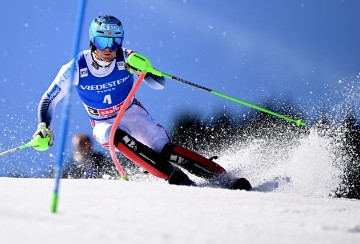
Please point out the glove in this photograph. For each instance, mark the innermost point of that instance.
(132, 70)
(46, 135)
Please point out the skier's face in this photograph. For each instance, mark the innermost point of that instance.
(106, 55)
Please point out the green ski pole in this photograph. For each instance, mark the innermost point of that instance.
(15, 149)
(141, 63)
(37, 143)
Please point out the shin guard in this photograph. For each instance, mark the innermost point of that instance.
(191, 161)
(142, 155)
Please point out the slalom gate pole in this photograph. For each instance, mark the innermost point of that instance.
(140, 62)
(66, 105)
(114, 127)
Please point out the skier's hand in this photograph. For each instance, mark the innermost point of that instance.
(140, 63)
(40, 144)
(42, 135)
(132, 70)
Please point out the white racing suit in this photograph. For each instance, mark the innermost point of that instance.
(102, 91)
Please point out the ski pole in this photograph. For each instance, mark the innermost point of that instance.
(141, 63)
(36, 142)
(15, 149)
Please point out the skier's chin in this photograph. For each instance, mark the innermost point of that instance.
(105, 55)
(107, 58)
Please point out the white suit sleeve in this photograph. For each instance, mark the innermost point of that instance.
(56, 91)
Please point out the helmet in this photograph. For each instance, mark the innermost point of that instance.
(106, 31)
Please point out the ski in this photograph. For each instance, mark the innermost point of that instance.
(241, 184)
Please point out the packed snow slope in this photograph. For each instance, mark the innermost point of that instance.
(292, 202)
(109, 211)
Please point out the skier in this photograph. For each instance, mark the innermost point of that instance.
(103, 82)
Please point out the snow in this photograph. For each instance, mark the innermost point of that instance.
(294, 182)
(291, 202)
(109, 211)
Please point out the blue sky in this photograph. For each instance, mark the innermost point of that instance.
(303, 51)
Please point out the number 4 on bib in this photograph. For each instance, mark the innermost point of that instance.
(107, 99)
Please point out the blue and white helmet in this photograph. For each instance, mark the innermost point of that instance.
(106, 31)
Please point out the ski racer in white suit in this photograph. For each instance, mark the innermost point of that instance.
(103, 82)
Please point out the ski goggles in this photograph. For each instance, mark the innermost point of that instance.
(101, 42)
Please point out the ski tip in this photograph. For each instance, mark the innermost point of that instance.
(241, 184)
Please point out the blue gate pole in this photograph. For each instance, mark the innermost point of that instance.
(66, 105)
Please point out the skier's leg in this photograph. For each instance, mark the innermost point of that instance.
(145, 129)
(141, 139)
(149, 160)
(191, 161)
